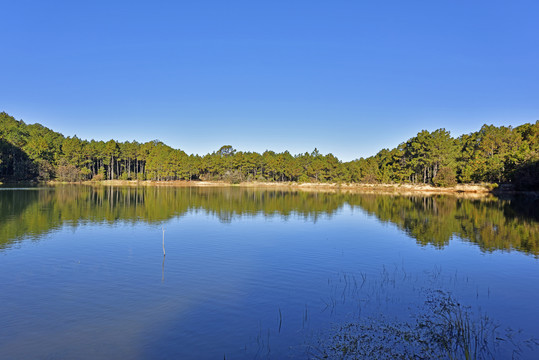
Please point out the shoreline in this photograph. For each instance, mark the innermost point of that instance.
(478, 190)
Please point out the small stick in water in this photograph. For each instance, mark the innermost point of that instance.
(163, 270)
(163, 241)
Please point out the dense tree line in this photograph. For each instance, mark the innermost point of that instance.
(490, 223)
(492, 154)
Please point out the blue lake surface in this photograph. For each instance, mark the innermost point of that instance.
(252, 273)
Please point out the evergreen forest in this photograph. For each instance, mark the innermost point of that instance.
(33, 152)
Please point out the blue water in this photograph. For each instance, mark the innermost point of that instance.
(256, 285)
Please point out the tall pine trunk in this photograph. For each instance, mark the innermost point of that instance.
(112, 167)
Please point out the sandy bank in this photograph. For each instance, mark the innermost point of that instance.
(478, 190)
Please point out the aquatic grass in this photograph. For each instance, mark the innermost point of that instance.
(438, 326)
(443, 329)
(395, 314)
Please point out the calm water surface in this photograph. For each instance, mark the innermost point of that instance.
(251, 273)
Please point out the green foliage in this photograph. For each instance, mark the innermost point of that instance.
(124, 176)
(303, 178)
(85, 173)
(446, 176)
(492, 154)
(101, 175)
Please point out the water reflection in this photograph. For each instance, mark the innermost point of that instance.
(490, 223)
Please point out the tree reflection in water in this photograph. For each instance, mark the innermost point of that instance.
(490, 223)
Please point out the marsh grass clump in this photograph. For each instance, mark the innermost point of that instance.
(439, 328)
(396, 314)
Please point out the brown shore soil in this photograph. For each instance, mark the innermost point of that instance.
(475, 190)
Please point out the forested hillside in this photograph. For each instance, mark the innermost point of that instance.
(491, 154)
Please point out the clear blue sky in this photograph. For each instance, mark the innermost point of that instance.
(347, 77)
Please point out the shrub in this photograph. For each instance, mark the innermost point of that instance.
(446, 176)
(98, 177)
(68, 173)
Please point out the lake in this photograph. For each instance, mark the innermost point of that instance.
(265, 273)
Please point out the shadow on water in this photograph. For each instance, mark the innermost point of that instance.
(492, 224)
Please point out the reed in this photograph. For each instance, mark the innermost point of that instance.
(439, 326)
